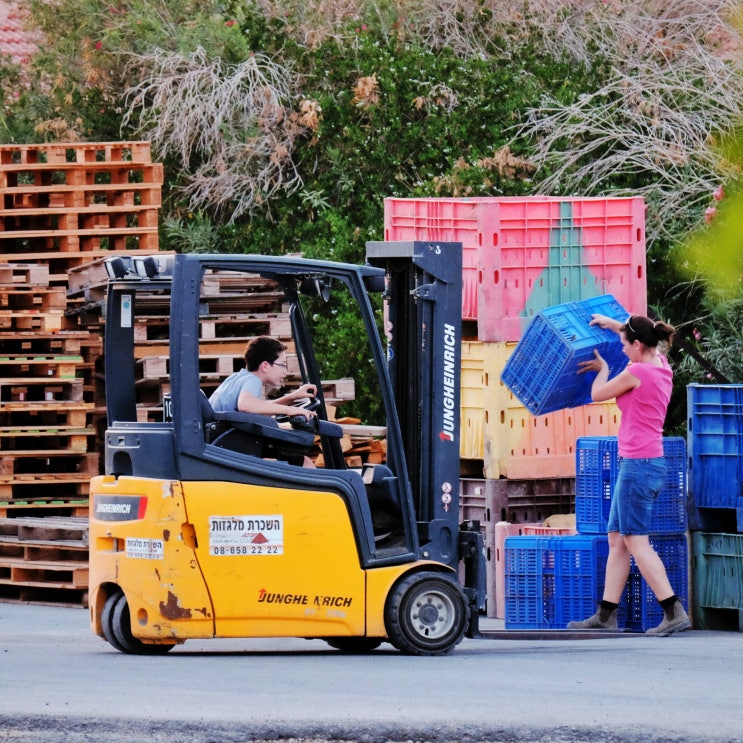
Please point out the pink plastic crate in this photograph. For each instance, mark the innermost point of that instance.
(445, 220)
(523, 254)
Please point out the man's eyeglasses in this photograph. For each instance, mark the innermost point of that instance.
(278, 363)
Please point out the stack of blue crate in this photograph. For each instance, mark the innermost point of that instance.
(551, 581)
(597, 467)
(715, 438)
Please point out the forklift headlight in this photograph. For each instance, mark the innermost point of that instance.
(117, 268)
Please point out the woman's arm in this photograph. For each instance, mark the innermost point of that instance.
(603, 388)
(609, 323)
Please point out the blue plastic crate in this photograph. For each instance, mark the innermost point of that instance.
(596, 471)
(641, 609)
(715, 439)
(542, 371)
(550, 581)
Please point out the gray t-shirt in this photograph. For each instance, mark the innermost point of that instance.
(224, 398)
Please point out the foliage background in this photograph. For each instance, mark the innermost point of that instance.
(284, 123)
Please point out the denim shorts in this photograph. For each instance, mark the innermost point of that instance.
(638, 484)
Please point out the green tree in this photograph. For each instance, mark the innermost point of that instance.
(283, 125)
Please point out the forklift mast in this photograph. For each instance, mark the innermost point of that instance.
(423, 327)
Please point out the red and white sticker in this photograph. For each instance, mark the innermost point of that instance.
(246, 535)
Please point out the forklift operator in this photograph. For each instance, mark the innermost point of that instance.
(265, 369)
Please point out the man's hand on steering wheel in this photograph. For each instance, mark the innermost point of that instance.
(306, 390)
(306, 401)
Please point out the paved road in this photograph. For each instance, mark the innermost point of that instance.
(60, 683)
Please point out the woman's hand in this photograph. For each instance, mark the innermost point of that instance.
(597, 363)
(607, 323)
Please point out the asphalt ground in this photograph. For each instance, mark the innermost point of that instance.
(59, 683)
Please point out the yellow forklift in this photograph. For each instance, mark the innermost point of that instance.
(204, 525)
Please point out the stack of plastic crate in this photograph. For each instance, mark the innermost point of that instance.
(522, 255)
(570, 570)
(550, 581)
(597, 468)
(715, 440)
(484, 501)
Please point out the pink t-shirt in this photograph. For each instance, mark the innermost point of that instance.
(644, 410)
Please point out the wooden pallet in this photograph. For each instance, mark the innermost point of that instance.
(18, 464)
(24, 274)
(65, 343)
(158, 367)
(33, 299)
(44, 559)
(61, 438)
(48, 367)
(51, 153)
(85, 240)
(44, 414)
(41, 388)
(79, 507)
(59, 265)
(55, 485)
(48, 531)
(23, 320)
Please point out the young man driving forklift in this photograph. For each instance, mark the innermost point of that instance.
(265, 369)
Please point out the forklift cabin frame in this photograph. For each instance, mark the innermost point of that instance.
(418, 382)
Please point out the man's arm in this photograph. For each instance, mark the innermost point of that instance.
(247, 402)
(303, 392)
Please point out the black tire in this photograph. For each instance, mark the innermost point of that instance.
(426, 614)
(107, 619)
(122, 629)
(354, 645)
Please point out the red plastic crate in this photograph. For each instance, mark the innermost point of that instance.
(523, 254)
(445, 220)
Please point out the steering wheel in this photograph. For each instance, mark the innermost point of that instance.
(307, 403)
(299, 421)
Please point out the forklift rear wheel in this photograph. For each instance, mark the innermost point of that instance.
(354, 645)
(107, 620)
(426, 614)
(127, 642)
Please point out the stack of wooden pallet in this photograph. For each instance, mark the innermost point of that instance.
(46, 450)
(64, 206)
(82, 198)
(44, 560)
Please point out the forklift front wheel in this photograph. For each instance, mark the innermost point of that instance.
(426, 614)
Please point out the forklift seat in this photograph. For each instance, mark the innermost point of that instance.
(256, 435)
(381, 492)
